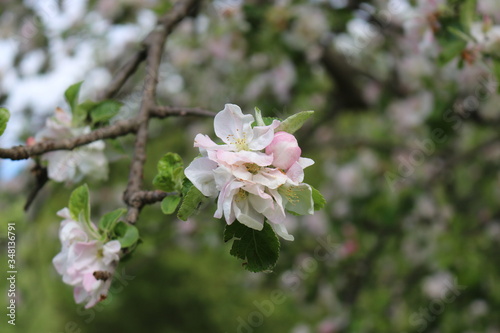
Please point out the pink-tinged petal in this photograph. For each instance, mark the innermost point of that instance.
(200, 173)
(64, 213)
(285, 150)
(305, 162)
(80, 294)
(271, 178)
(225, 201)
(257, 190)
(281, 231)
(263, 136)
(59, 263)
(240, 157)
(111, 251)
(247, 215)
(204, 142)
(296, 173)
(267, 208)
(232, 125)
(89, 282)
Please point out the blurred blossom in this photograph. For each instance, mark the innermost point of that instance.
(478, 308)
(412, 111)
(229, 8)
(301, 328)
(489, 7)
(330, 325)
(437, 285)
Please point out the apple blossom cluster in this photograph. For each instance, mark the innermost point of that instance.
(72, 165)
(85, 262)
(256, 174)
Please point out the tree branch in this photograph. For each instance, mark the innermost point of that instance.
(155, 43)
(123, 74)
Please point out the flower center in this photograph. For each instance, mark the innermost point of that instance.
(252, 168)
(241, 195)
(240, 143)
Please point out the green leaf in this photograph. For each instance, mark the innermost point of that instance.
(468, 13)
(79, 204)
(108, 221)
(104, 111)
(81, 112)
(293, 123)
(190, 203)
(169, 204)
(71, 95)
(461, 34)
(4, 118)
(170, 173)
(258, 117)
(318, 199)
(450, 50)
(259, 249)
(127, 234)
(496, 71)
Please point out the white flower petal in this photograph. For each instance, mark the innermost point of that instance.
(232, 125)
(200, 173)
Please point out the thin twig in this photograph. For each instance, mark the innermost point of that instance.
(120, 128)
(155, 43)
(123, 74)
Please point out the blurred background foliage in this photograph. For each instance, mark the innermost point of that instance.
(412, 217)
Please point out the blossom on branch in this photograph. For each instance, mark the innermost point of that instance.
(256, 174)
(72, 165)
(85, 262)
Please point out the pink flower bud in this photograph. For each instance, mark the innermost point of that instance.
(30, 141)
(285, 150)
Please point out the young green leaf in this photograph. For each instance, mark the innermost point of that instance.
(468, 13)
(294, 122)
(258, 117)
(169, 204)
(71, 95)
(450, 50)
(170, 173)
(259, 249)
(108, 221)
(127, 234)
(319, 200)
(104, 111)
(81, 112)
(4, 118)
(79, 204)
(190, 203)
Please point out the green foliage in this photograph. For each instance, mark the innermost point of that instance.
(104, 111)
(71, 96)
(259, 249)
(4, 118)
(109, 220)
(126, 234)
(294, 122)
(450, 50)
(79, 205)
(318, 199)
(468, 13)
(190, 204)
(170, 173)
(169, 204)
